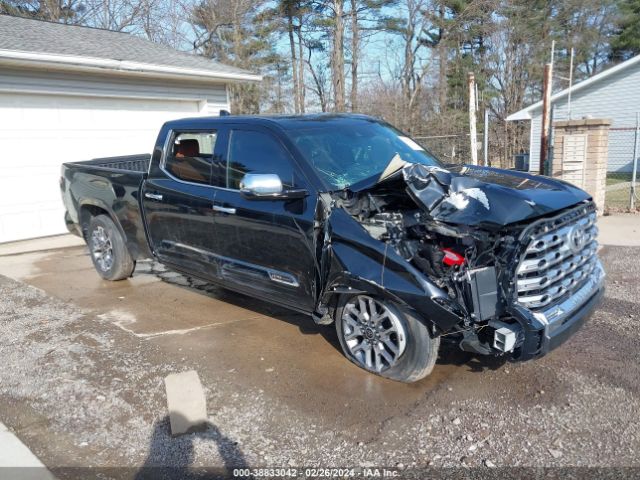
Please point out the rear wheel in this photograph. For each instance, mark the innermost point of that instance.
(384, 338)
(108, 249)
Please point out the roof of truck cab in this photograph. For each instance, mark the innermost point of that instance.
(286, 122)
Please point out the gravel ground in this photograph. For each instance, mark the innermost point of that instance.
(82, 392)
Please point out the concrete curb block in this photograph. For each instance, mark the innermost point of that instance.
(186, 403)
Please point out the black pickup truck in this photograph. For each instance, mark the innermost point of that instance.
(347, 219)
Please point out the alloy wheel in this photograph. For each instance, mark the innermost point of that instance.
(373, 333)
(102, 249)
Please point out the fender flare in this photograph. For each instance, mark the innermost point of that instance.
(103, 206)
(348, 284)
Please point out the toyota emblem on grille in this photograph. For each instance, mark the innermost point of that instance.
(577, 239)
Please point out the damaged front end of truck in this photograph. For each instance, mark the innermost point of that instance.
(501, 263)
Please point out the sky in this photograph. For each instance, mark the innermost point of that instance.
(379, 55)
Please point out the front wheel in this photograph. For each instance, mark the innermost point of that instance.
(385, 338)
(108, 249)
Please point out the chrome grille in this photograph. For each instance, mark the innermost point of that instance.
(557, 261)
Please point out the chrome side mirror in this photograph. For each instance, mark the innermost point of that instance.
(261, 185)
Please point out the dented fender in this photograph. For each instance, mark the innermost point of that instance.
(356, 263)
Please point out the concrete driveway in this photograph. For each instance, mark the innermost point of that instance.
(83, 362)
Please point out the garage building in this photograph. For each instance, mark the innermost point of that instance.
(70, 93)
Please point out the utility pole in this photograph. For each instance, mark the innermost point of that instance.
(485, 140)
(546, 118)
(632, 198)
(472, 118)
(570, 84)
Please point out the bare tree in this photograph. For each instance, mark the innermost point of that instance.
(355, 50)
(442, 56)
(294, 61)
(116, 15)
(430, 45)
(337, 54)
(365, 22)
(319, 73)
(414, 64)
(239, 33)
(301, 63)
(63, 11)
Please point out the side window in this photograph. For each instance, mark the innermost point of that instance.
(190, 156)
(257, 152)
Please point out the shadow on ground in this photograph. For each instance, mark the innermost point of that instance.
(304, 323)
(172, 458)
(450, 353)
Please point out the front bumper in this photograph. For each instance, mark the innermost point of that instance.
(548, 329)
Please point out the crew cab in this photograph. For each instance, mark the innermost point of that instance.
(348, 220)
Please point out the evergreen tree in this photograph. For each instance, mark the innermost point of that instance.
(626, 42)
(238, 33)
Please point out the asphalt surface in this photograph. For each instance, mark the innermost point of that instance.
(83, 362)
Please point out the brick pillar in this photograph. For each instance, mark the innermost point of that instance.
(580, 154)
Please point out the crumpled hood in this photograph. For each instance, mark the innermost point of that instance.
(472, 195)
(484, 196)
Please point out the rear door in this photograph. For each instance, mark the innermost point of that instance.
(177, 200)
(264, 247)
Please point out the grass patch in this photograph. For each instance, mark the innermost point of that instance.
(614, 178)
(617, 198)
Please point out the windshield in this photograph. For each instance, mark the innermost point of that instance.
(346, 153)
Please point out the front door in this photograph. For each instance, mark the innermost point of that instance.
(177, 203)
(265, 247)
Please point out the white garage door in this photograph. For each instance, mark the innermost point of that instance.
(40, 132)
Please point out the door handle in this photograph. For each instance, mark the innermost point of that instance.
(228, 210)
(153, 196)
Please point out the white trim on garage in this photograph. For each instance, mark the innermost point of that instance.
(68, 83)
(49, 60)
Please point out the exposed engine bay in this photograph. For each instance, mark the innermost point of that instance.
(473, 265)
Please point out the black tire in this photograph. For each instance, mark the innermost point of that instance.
(420, 351)
(108, 249)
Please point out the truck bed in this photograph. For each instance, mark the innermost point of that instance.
(111, 186)
(131, 163)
